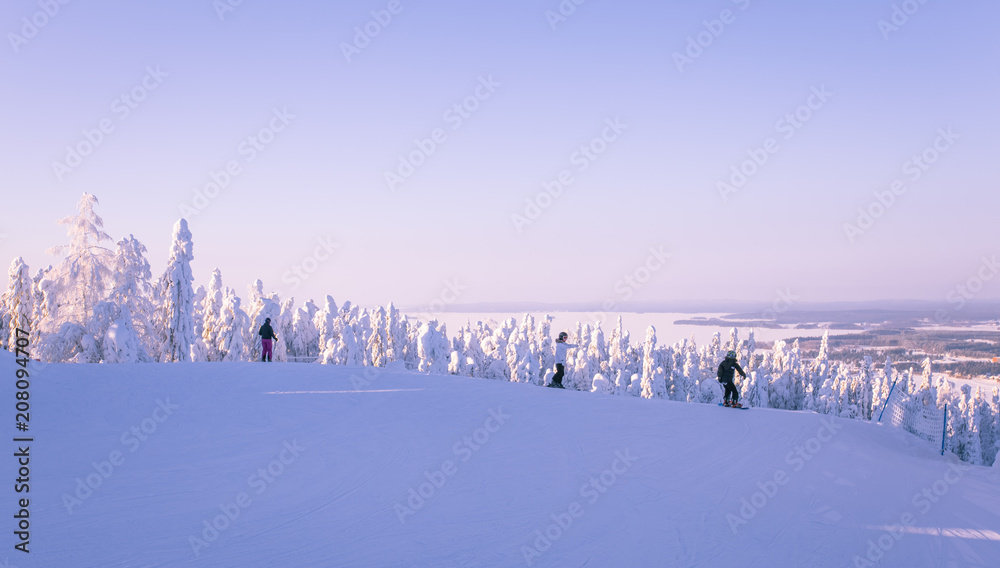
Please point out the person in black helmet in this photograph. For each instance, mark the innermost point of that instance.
(727, 369)
(267, 338)
(561, 348)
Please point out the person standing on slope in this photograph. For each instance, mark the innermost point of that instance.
(727, 368)
(267, 338)
(561, 348)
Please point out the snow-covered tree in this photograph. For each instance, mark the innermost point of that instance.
(129, 336)
(176, 313)
(232, 329)
(433, 349)
(284, 325)
(41, 311)
(325, 321)
(212, 317)
(254, 304)
(84, 276)
(602, 385)
(199, 352)
(18, 304)
(546, 348)
(305, 340)
(378, 342)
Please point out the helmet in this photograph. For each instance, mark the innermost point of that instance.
(730, 354)
(563, 336)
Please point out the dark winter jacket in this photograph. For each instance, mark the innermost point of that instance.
(726, 369)
(266, 332)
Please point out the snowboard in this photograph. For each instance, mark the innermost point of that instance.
(740, 408)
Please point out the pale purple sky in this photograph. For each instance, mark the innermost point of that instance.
(884, 96)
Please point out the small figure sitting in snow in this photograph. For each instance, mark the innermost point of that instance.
(727, 367)
(561, 348)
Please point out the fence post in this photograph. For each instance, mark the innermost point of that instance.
(889, 396)
(944, 428)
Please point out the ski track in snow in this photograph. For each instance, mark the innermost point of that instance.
(335, 503)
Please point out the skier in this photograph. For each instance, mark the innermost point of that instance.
(561, 348)
(725, 374)
(267, 336)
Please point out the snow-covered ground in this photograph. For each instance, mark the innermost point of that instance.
(247, 464)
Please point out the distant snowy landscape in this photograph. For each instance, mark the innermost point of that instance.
(157, 438)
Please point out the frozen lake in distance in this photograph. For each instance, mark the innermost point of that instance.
(636, 323)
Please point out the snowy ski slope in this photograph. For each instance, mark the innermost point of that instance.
(303, 465)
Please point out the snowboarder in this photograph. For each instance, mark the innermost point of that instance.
(561, 348)
(725, 374)
(267, 337)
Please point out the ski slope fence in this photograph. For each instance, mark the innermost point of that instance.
(918, 415)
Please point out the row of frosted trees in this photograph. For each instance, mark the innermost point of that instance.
(102, 305)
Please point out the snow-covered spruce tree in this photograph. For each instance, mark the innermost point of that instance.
(130, 336)
(713, 355)
(311, 309)
(284, 326)
(305, 340)
(364, 330)
(621, 382)
(988, 426)
(863, 388)
(253, 306)
(677, 378)
(232, 329)
(84, 276)
(433, 349)
(18, 304)
(212, 317)
(473, 351)
(601, 385)
(199, 352)
(397, 334)
(460, 364)
(886, 382)
(4, 324)
(781, 388)
(378, 342)
(692, 374)
(654, 385)
(650, 362)
(827, 399)
(546, 348)
(665, 357)
(598, 351)
(517, 353)
(618, 353)
(41, 311)
(813, 379)
(635, 386)
(325, 322)
(176, 314)
(350, 350)
(963, 439)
